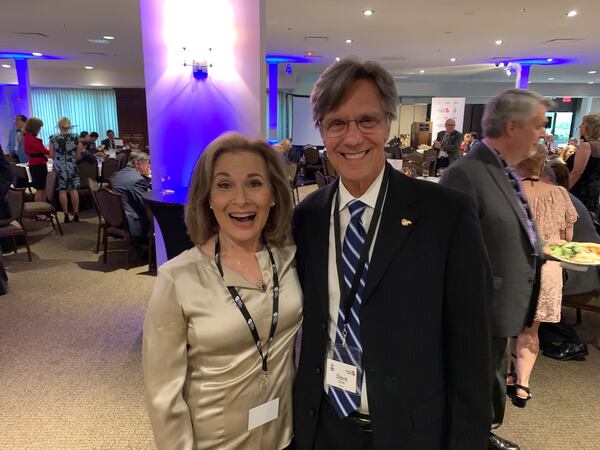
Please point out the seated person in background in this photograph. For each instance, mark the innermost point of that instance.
(473, 140)
(132, 182)
(283, 148)
(91, 145)
(84, 138)
(109, 142)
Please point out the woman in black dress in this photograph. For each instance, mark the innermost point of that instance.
(584, 179)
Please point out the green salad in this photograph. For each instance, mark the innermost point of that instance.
(566, 251)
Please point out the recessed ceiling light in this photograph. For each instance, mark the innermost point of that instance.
(421, 71)
(590, 82)
(6, 66)
(499, 42)
(572, 13)
(452, 59)
(348, 41)
(593, 71)
(308, 53)
(400, 77)
(368, 12)
(88, 67)
(550, 79)
(98, 41)
(37, 54)
(110, 38)
(337, 58)
(549, 60)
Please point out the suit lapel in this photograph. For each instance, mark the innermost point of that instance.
(499, 176)
(398, 219)
(319, 233)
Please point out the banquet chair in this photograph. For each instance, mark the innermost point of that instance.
(13, 226)
(414, 158)
(94, 186)
(322, 180)
(111, 208)
(109, 167)
(122, 159)
(31, 210)
(20, 177)
(329, 169)
(312, 159)
(292, 172)
(87, 171)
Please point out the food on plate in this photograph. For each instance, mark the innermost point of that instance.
(577, 252)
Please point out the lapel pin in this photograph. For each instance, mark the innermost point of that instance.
(405, 222)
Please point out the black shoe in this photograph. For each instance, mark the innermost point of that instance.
(521, 402)
(75, 217)
(567, 351)
(67, 220)
(496, 442)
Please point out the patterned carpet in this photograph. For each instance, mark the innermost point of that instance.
(70, 331)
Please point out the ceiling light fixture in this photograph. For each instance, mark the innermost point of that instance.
(593, 71)
(368, 12)
(110, 38)
(337, 58)
(551, 79)
(572, 13)
(348, 41)
(88, 67)
(37, 54)
(452, 59)
(6, 66)
(499, 42)
(549, 59)
(421, 71)
(590, 82)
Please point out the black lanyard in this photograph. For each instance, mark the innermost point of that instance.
(240, 304)
(347, 298)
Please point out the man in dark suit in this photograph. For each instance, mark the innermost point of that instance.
(132, 182)
(447, 143)
(15, 145)
(512, 123)
(395, 342)
(109, 142)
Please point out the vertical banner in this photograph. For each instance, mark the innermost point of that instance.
(444, 108)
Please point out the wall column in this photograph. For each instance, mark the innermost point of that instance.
(185, 112)
(522, 76)
(22, 104)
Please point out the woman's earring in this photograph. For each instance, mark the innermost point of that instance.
(210, 206)
(272, 204)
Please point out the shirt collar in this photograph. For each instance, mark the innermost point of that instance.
(369, 198)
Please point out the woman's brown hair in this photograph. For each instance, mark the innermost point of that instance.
(33, 125)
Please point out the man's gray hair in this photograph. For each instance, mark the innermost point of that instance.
(331, 86)
(515, 104)
(137, 157)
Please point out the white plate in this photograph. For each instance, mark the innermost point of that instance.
(576, 265)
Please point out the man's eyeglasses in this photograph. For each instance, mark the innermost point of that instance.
(335, 128)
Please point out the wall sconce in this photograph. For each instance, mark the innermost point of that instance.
(199, 66)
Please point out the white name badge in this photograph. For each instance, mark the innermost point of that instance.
(341, 375)
(262, 414)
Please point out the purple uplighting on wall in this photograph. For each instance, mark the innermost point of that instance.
(185, 114)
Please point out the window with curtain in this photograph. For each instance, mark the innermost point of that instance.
(88, 109)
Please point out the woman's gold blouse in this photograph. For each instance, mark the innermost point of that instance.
(202, 370)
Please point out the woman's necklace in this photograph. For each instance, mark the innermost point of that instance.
(246, 268)
(532, 179)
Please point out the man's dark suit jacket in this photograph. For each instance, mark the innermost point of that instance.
(106, 143)
(131, 185)
(452, 145)
(424, 320)
(515, 262)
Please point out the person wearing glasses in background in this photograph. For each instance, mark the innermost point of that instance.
(447, 143)
(395, 341)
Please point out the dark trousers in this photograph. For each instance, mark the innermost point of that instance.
(499, 369)
(334, 433)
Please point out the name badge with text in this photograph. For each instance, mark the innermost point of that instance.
(341, 375)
